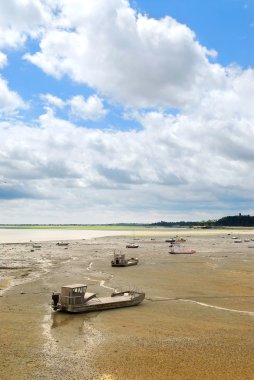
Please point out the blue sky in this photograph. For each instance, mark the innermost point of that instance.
(117, 111)
(224, 25)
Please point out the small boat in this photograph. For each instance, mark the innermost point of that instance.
(37, 246)
(75, 299)
(119, 260)
(170, 240)
(238, 241)
(62, 244)
(132, 245)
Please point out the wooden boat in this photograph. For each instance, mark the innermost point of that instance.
(132, 245)
(62, 244)
(170, 240)
(36, 246)
(75, 299)
(119, 260)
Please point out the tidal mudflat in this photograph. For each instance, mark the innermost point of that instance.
(195, 323)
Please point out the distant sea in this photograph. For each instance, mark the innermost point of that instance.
(24, 236)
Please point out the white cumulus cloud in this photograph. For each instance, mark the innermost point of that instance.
(183, 165)
(91, 108)
(10, 101)
(53, 100)
(3, 60)
(88, 109)
(131, 58)
(19, 19)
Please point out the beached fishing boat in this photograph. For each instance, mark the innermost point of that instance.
(170, 240)
(132, 245)
(119, 260)
(75, 299)
(36, 246)
(61, 244)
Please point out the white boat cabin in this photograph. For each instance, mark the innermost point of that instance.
(75, 294)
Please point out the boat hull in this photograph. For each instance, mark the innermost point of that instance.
(113, 302)
(124, 265)
(182, 253)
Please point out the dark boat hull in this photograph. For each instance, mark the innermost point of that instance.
(107, 303)
(182, 253)
(124, 265)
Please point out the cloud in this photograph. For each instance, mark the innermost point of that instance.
(196, 159)
(90, 109)
(10, 101)
(20, 19)
(53, 100)
(133, 59)
(171, 167)
(9, 192)
(3, 60)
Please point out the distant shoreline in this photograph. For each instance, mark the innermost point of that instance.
(74, 227)
(114, 227)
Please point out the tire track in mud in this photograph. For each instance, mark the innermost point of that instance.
(245, 312)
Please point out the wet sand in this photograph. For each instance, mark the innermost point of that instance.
(196, 322)
(26, 236)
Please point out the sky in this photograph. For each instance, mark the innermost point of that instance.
(126, 111)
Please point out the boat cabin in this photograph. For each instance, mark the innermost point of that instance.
(75, 294)
(119, 258)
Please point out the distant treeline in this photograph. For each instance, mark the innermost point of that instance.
(203, 224)
(227, 221)
(236, 221)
